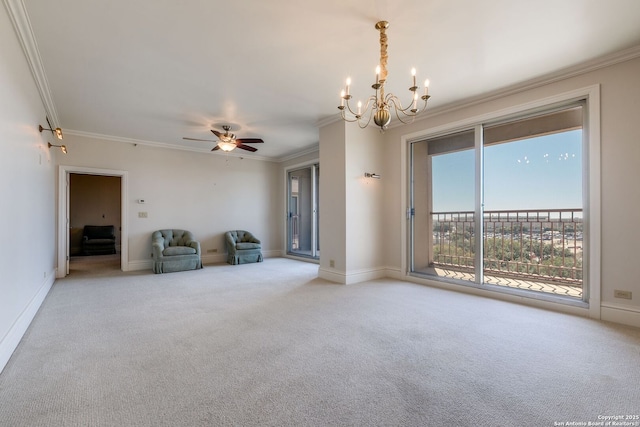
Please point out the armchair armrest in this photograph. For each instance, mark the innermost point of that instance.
(157, 246)
(194, 244)
(157, 250)
(231, 242)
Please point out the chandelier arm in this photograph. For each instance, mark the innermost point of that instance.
(412, 111)
(412, 117)
(368, 120)
(357, 118)
(345, 118)
(398, 105)
(348, 109)
(365, 108)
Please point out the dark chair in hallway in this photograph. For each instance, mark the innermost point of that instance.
(99, 240)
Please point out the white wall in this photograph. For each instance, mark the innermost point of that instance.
(206, 193)
(365, 252)
(332, 202)
(351, 215)
(27, 177)
(620, 175)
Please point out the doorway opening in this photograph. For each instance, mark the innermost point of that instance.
(89, 196)
(302, 212)
(94, 215)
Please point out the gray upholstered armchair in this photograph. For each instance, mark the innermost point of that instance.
(175, 250)
(242, 247)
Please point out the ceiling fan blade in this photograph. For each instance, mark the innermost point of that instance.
(215, 148)
(250, 141)
(196, 139)
(246, 147)
(216, 133)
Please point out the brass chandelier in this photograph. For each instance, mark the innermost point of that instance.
(380, 105)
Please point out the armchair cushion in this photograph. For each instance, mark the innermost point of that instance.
(246, 245)
(178, 250)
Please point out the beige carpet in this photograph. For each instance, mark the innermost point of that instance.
(269, 344)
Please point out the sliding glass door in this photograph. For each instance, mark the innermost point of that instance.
(502, 203)
(302, 212)
(443, 206)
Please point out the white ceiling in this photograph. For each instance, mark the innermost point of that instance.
(160, 70)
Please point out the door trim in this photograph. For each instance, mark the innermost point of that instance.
(62, 268)
(314, 163)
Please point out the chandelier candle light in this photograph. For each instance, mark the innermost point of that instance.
(379, 105)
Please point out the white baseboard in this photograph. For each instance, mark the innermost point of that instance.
(272, 253)
(219, 258)
(395, 273)
(332, 276)
(10, 342)
(352, 277)
(145, 264)
(140, 265)
(214, 259)
(620, 314)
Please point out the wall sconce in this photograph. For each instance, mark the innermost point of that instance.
(371, 175)
(62, 148)
(57, 131)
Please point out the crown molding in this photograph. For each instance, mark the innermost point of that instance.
(234, 153)
(328, 120)
(155, 144)
(313, 149)
(22, 25)
(547, 79)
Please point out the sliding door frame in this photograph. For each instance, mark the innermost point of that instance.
(314, 165)
(591, 194)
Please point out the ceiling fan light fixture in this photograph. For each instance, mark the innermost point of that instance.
(228, 141)
(227, 145)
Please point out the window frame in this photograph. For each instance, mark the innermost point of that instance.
(591, 196)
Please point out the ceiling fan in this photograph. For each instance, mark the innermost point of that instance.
(228, 141)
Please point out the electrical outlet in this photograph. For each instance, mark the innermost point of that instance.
(142, 215)
(332, 263)
(621, 294)
(212, 251)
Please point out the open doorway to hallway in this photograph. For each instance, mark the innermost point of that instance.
(94, 201)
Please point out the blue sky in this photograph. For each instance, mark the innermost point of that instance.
(537, 173)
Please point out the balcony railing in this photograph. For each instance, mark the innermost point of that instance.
(542, 245)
